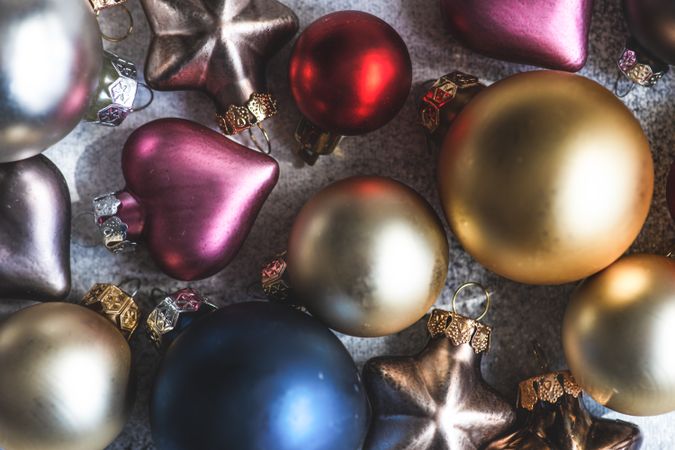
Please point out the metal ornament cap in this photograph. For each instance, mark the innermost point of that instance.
(314, 142)
(445, 100)
(114, 232)
(174, 314)
(640, 68)
(220, 47)
(116, 305)
(274, 279)
(34, 231)
(553, 417)
(116, 94)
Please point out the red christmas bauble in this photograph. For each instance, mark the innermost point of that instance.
(670, 192)
(350, 73)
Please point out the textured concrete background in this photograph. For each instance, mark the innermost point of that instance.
(89, 159)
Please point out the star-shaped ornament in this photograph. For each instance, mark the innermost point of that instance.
(554, 418)
(220, 47)
(437, 399)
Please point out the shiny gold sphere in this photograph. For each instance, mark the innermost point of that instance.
(619, 332)
(64, 379)
(368, 256)
(545, 177)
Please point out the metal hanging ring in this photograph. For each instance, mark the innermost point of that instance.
(134, 283)
(257, 144)
(621, 94)
(129, 29)
(486, 293)
(152, 98)
(157, 293)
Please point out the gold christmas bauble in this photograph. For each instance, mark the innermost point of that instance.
(545, 177)
(618, 335)
(368, 256)
(64, 379)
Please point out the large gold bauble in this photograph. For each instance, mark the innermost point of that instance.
(545, 177)
(368, 256)
(618, 334)
(64, 379)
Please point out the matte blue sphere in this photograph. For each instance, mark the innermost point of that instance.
(258, 376)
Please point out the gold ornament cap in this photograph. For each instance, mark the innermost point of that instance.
(314, 141)
(274, 279)
(445, 100)
(116, 305)
(461, 329)
(238, 118)
(547, 388)
(639, 67)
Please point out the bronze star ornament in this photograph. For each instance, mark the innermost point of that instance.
(436, 400)
(220, 47)
(554, 418)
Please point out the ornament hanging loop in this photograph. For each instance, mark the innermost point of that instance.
(134, 284)
(151, 98)
(100, 5)
(261, 149)
(467, 285)
(627, 88)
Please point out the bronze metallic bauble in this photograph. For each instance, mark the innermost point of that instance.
(368, 256)
(618, 334)
(64, 379)
(545, 177)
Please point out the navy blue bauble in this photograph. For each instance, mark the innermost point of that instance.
(258, 376)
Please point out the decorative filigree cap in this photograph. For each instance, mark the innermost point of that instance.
(459, 329)
(445, 99)
(175, 313)
(639, 67)
(546, 388)
(314, 141)
(116, 305)
(274, 279)
(236, 118)
(112, 229)
(116, 94)
(98, 5)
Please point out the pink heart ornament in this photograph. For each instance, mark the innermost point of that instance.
(191, 195)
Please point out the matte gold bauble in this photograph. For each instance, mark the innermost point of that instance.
(368, 256)
(545, 177)
(64, 379)
(618, 335)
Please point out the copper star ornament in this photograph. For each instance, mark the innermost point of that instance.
(554, 418)
(437, 399)
(220, 47)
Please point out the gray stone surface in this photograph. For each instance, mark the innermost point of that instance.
(90, 158)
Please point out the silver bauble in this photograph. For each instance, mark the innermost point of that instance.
(50, 61)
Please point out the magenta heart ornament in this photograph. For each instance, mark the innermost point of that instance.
(191, 196)
(545, 33)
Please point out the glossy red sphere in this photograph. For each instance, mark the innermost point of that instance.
(350, 73)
